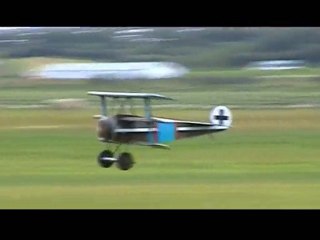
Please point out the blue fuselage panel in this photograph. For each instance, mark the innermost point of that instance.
(166, 132)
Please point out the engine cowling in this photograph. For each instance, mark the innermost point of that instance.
(106, 128)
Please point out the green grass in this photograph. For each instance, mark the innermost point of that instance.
(222, 86)
(240, 72)
(269, 159)
(241, 95)
(16, 66)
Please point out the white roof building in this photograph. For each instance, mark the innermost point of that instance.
(126, 70)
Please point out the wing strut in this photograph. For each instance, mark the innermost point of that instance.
(103, 106)
(147, 108)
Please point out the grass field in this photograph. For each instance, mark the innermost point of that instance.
(269, 159)
(202, 87)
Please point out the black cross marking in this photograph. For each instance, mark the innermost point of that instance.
(221, 117)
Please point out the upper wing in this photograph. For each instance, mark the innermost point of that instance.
(128, 95)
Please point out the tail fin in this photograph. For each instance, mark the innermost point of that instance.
(221, 116)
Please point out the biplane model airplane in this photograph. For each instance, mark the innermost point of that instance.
(148, 130)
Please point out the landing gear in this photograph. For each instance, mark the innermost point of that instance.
(125, 161)
(102, 161)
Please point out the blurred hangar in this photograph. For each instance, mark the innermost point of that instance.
(109, 71)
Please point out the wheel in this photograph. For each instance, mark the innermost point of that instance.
(125, 161)
(102, 162)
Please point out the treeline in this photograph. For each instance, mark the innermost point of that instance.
(207, 48)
